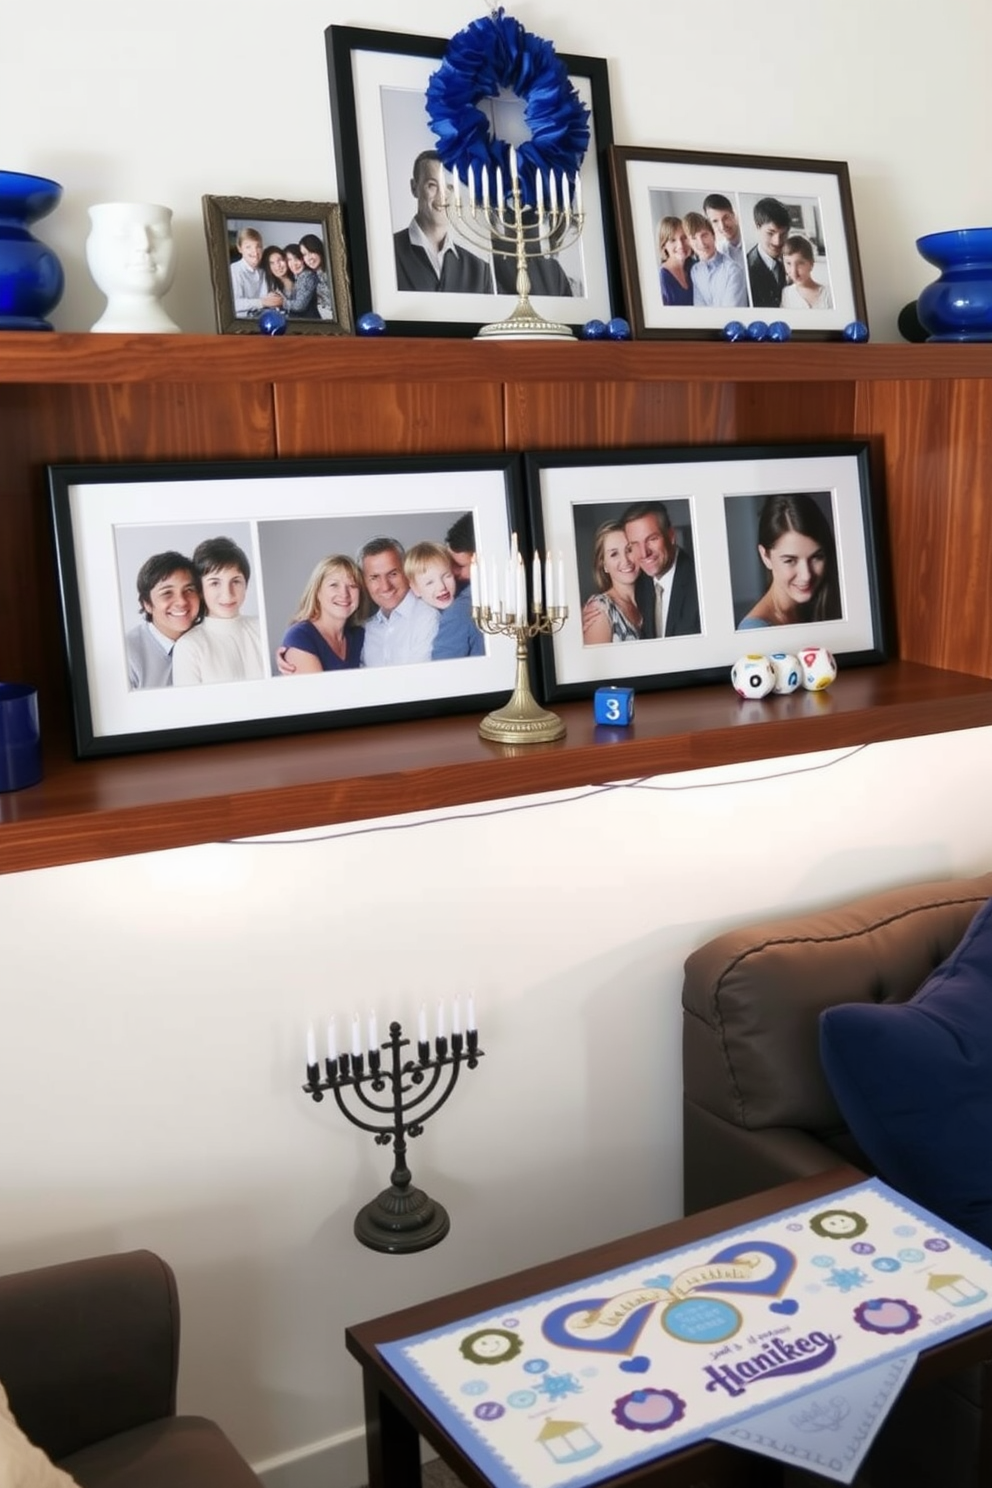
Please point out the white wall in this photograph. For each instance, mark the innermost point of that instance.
(172, 101)
(153, 1041)
(154, 1008)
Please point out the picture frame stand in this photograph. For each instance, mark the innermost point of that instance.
(522, 720)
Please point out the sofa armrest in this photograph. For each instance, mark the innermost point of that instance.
(89, 1348)
(723, 1161)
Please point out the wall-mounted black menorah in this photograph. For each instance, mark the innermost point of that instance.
(393, 1097)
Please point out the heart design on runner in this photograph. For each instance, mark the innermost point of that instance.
(638, 1365)
(787, 1308)
(561, 1327)
(770, 1279)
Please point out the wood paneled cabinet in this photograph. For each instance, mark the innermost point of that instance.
(927, 411)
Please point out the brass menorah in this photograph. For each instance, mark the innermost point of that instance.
(509, 226)
(508, 612)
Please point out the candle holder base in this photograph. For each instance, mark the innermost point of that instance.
(524, 324)
(521, 721)
(400, 1221)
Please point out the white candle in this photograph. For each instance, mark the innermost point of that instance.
(311, 1047)
(440, 1020)
(485, 189)
(536, 581)
(509, 588)
(565, 202)
(356, 1037)
(373, 1033)
(332, 1039)
(521, 592)
(539, 202)
(422, 1019)
(470, 1020)
(458, 192)
(483, 586)
(499, 189)
(578, 194)
(497, 599)
(473, 583)
(549, 587)
(514, 547)
(456, 1017)
(471, 188)
(560, 591)
(552, 194)
(513, 165)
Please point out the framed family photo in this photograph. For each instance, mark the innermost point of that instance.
(708, 239)
(378, 85)
(212, 601)
(709, 553)
(280, 255)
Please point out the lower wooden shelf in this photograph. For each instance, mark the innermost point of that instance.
(144, 803)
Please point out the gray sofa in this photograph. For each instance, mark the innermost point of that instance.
(89, 1357)
(757, 1109)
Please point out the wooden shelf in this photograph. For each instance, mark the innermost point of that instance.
(83, 398)
(27, 358)
(141, 803)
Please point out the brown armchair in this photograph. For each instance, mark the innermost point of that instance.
(757, 1109)
(89, 1357)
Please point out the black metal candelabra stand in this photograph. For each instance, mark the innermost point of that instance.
(401, 1218)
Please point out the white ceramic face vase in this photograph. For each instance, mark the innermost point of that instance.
(132, 258)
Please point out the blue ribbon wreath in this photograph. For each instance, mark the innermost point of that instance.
(493, 54)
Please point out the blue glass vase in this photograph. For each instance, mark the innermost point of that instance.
(31, 278)
(958, 305)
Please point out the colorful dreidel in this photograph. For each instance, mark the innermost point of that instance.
(819, 668)
(788, 674)
(614, 706)
(752, 676)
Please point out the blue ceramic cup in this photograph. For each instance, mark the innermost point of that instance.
(20, 737)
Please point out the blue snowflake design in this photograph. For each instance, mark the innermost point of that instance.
(559, 1386)
(847, 1280)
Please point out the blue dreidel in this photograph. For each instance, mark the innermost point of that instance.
(613, 705)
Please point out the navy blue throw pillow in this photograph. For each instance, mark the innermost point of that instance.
(914, 1083)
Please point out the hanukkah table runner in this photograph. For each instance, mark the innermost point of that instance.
(573, 1386)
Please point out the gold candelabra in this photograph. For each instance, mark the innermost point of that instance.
(522, 720)
(509, 227)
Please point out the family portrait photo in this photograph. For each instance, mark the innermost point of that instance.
(708, 548)
(709, 239)
(229, 618)
(736, 250)
(284, 256)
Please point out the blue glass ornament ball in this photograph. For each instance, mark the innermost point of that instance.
(272, 323)
(618, 329)
(779, 330)
(370, 324)
(757, 331)
(856, 331)
(594, 330)
(734, 330)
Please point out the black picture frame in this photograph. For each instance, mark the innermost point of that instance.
(650, 185)
(713, 495)
(223, 216)
(366, 183)
(108, 519)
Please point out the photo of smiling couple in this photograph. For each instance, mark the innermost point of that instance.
(782, 557)
(396, 602)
